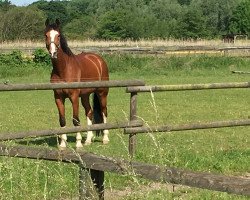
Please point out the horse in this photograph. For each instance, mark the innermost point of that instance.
(68, 67)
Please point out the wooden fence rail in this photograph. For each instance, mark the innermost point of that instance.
(229, 184)
(186, 127)
(146, 50)
(159, 88)
(60, 131)
(71, 85)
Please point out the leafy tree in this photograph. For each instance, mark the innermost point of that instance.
(5, 5)
(216, 14)
(184, 2)
(113, 25)
(165, 9)
(78, 8)
(192, 25)
(119, 19)
(240, 21)
(120, 24)
(22, 23)
(168, 14)
(105, 6)
(81, 28)
(134, 19)
(54, 10)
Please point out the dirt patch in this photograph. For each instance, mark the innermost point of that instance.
(111, 194)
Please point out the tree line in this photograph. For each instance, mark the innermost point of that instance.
(127, 19)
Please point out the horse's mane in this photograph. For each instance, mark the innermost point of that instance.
(63, 41)
(64, 45)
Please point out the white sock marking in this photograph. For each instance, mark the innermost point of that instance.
(105, 132)
(89, 133)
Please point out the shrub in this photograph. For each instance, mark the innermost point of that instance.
(12, 59)
(41, 56)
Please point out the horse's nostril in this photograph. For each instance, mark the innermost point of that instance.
(54, 55)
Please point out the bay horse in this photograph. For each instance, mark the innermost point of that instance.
(68, 67)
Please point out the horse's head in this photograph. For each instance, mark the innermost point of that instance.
(52, 37)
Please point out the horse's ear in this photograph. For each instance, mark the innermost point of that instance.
(57, 22)
(47, 22)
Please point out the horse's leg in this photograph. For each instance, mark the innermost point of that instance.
(89, 116)
(76, 121)
(103, 102)
(61, 109)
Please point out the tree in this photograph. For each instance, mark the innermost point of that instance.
(120, 24)
(54, 10)
(184, 2)
(113, 25)
(168, 14)
(5, 5)
(78, 8)
(119, 19)
(22, 23)
(240, 21)
(192, 25)
(216, 14)
(81, 28)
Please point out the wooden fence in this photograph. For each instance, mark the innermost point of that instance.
(182, 127)
(97, 165)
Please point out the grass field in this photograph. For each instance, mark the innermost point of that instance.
(224, 151)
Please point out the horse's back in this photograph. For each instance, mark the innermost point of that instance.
(93, 67)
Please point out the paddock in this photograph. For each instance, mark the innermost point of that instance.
(97, 164)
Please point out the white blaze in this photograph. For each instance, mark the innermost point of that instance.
(53, 34)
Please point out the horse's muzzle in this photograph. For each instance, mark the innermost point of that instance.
(53, 55)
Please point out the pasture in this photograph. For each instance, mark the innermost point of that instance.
(223, 151)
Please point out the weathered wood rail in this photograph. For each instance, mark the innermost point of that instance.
(60, 131)
(187, 127)
(207, 86)
(71, 85)
(229, 184)
(173, 49)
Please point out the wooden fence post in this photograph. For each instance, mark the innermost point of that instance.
(133, 113)
(98, 180)
(91, 184)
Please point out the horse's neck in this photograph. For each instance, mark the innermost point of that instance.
(60, 64)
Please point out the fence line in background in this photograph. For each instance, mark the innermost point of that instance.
(174, 49)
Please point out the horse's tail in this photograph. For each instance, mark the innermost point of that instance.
(97, 112)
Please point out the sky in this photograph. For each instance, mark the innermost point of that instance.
(22, 2)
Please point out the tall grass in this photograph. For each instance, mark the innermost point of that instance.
(125, 43)
(223, 151)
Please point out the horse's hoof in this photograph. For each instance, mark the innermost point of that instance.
(105, 141)
(79, 145)
(62, 148)
(87, 143)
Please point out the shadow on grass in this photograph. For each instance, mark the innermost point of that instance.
(53, 140)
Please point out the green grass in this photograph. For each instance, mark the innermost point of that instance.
(224, 151)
